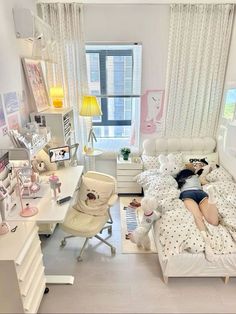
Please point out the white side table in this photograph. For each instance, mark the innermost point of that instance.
(90, 159)
(126, 171)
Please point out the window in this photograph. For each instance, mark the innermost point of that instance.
(230, 101)
(114, 76)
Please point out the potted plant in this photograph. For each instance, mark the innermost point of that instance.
(125, 151)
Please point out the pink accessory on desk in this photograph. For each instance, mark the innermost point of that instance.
(55, 185)
(28, 211)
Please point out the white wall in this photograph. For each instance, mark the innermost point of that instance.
(228, 161)
(11, 49)
(146, 24)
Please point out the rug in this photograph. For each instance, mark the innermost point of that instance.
(130, 219)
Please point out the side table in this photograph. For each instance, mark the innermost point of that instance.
(126, 171)
(90, 159)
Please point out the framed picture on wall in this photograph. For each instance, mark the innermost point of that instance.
(35, 80)
(152, 102)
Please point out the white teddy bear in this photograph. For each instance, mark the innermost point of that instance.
(168, 165)
(140, 234)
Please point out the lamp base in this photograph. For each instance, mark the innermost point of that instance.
(29, 211)
(4, 228)
(57, 103)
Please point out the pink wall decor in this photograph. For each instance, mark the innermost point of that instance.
(13, 121)
(152, 102)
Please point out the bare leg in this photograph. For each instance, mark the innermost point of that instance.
(210, 212)
(193, 207)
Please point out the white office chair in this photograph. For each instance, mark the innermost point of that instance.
(87, 221)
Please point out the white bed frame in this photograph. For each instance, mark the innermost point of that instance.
(187, 264)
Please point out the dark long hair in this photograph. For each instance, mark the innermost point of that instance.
(182, 176)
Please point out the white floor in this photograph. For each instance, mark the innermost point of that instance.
(126, 283)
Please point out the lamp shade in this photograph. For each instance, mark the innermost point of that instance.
(56, 92)
(90, 107)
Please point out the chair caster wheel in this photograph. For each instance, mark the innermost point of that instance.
(109, 230)
(46, 290)
(113, 250)
(63, 243)
(79, 259)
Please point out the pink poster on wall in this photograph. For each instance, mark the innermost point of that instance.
(152, 103)
(13, 122)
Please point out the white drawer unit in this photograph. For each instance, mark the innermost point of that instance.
(126, 172)
(22, 278)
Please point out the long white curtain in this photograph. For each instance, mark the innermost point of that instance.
(69, 70)
(198, 49)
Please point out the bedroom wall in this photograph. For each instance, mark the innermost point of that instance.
(146, 24)
(11, 49)
(227, 160)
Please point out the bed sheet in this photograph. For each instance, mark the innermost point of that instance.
(177, 231)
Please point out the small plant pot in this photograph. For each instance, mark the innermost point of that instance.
(125, 156)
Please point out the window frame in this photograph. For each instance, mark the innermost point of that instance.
(103, 85)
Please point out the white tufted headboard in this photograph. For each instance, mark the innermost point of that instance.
(156, 146)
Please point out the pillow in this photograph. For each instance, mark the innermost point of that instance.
(210, 158)
(150, 162)
(219, 174)
(178, 160)
(93, 196)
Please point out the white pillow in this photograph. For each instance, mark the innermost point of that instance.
(219, 174)
(210, 158)
(178, 159)
(93, 196)
(150, 162)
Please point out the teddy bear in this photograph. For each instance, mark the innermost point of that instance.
(168, 165)
(140, 234)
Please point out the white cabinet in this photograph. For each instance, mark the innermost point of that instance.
(126, 172)
(22, 278)
(60, 122)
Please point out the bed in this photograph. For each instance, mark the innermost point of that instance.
(187, 258)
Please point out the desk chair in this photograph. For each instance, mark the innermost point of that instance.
(87, 221)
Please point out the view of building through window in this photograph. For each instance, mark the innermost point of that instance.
(114, 76)
(230, 102)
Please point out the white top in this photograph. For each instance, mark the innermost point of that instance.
(192, 183)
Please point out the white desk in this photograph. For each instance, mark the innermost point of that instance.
(50, 211)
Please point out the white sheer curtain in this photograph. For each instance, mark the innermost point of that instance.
(69, 71)
(198, 49)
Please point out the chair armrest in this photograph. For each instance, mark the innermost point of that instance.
(112, 200)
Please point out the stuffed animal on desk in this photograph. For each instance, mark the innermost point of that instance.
(140, 234)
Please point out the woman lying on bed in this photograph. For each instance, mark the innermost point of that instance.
(199, 203)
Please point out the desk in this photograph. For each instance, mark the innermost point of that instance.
(50, 211)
